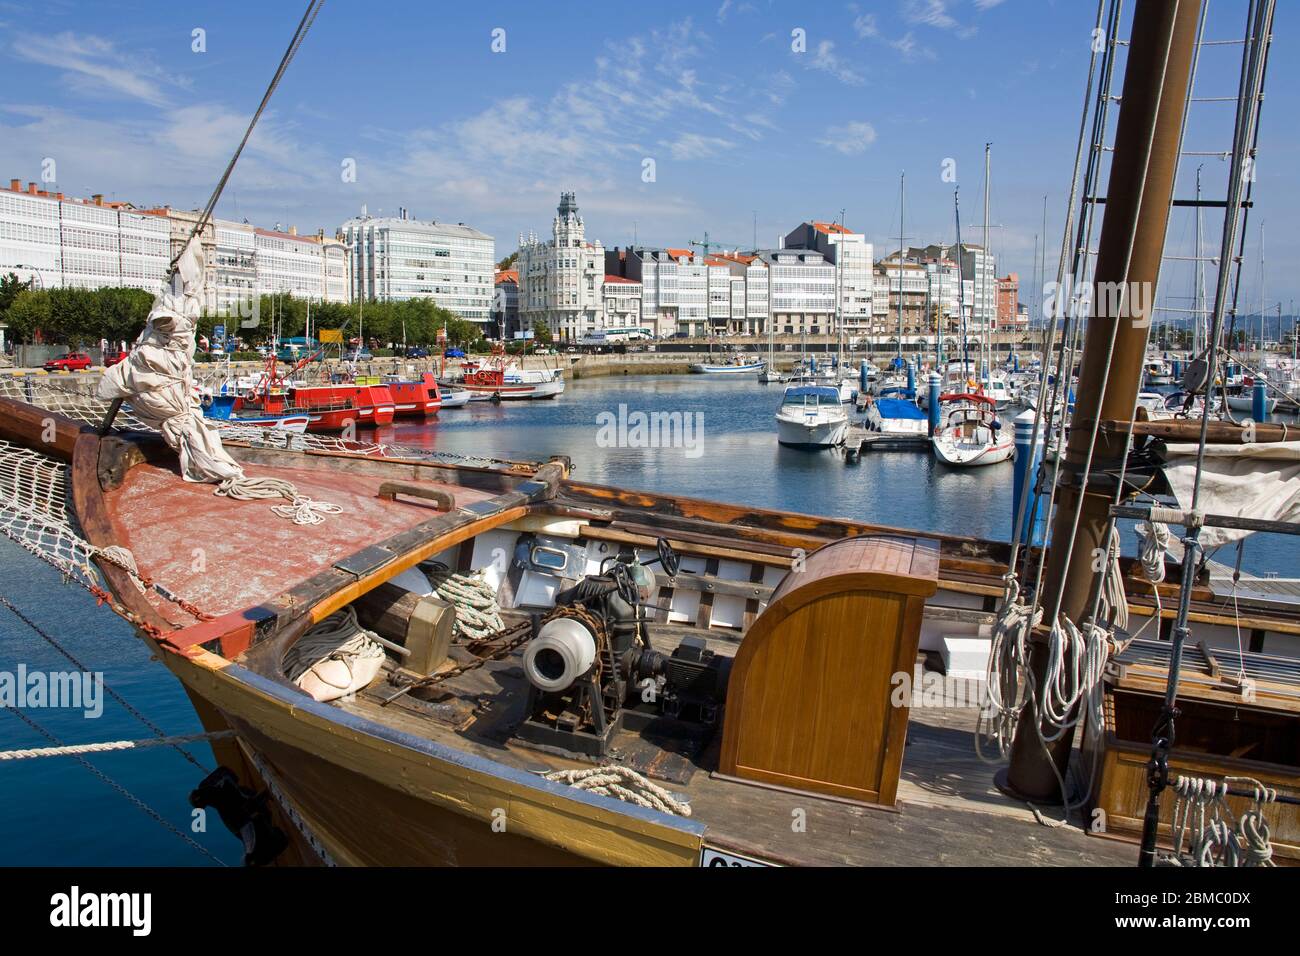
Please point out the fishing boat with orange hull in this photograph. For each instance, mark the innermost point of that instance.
(418, 398)
(329, 408)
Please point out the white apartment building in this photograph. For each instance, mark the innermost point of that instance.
(398, 258)
(289, 264)
(977, 267)
(621, 302)
(235, 259)
(852, 256)
(337, 262)
(675, 288)
(60, 242)
(902, 283)
(801, 291)
(561, 280)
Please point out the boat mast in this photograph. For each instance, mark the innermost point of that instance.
(961, 288)
(901, 240)
(1198, 321)
(1145, 161)
(986, 347)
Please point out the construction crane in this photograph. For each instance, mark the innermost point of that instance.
(705, 244)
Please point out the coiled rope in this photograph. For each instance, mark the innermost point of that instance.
(301, 509)
(1203, 834)
(337, 638)
(1153, 542)
(623, 783)
(478, 615)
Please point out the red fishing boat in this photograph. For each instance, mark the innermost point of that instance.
(415, 399)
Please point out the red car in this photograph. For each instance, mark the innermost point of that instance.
(72, 362)
(114, 356)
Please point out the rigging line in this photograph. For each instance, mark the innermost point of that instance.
(49, 639)
(308, 18)
(125, 793)
(1099, 577)
(1114, 332)
(1049, 329)
(1070, 335)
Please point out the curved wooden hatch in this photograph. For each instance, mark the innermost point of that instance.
(808, 702)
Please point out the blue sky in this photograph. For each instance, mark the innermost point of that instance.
(739, 124)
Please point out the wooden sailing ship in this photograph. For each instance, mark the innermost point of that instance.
(742, 676)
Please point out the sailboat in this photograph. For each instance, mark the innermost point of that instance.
(970, 433)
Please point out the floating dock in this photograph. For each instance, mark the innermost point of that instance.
(860, 439)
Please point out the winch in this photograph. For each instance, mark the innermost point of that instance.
(592, 671)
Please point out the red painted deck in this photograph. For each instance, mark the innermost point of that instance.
(225, 555)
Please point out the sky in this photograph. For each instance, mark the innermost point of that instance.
(752, 115)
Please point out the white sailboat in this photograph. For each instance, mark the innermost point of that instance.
(811, 416)
(970, 433)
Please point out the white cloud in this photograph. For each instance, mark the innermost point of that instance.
(828, 61)
(689, 146)
(851, 138)
(92, 65)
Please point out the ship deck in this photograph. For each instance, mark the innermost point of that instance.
(948, 812)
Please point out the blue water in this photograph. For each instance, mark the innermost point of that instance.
(57, 813)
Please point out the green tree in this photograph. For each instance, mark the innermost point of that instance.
(541, 332)
(508, 262)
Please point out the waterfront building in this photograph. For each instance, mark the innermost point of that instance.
(621, 303)
(675, 287)
(909, 281)
(561, 280)
(977, 267)
(851, 254)
(399, 258)
(505, 303)
(56, 241)
(1008, 301)
(801, 291)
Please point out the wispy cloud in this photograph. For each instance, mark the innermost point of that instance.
(825, 58)
(93, 65)
(851, 138)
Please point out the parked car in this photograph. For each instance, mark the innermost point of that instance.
(113, 356)
(362, 355)
(71, 362)
(416, 352)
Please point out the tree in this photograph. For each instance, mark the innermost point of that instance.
(508, 262)
(10, 286)
(541, 332)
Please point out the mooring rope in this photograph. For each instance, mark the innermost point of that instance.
(478, 615)
(71, 750)
(624, 784)
(109, 781)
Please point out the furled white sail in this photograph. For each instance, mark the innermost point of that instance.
(1260, 480)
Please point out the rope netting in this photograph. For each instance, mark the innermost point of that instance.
(34, 512)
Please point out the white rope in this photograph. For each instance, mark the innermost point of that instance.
(1005, 687)
(301, 509)
(1153, 542)
(478, 615)
(1114, 600)
(72, 750)
(1203, 832)
(337, 638)
(625, 784)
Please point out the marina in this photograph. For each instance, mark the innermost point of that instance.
(433, 560)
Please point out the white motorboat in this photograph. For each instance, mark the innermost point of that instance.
(895, 415)
(453, 397)
(811, 416)
(970, 433)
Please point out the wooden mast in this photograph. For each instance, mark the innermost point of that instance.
(1147, 144)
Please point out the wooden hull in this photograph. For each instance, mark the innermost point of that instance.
(370, 795)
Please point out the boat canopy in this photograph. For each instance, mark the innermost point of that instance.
(899, 408)
(812, 391)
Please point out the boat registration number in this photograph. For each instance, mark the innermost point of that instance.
(711, 857)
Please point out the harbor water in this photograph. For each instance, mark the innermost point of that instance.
(715, 439)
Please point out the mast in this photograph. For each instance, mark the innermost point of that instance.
(986, 347)
(1198, 321)
(961, 287)
(1147, 143)
(901, 240)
